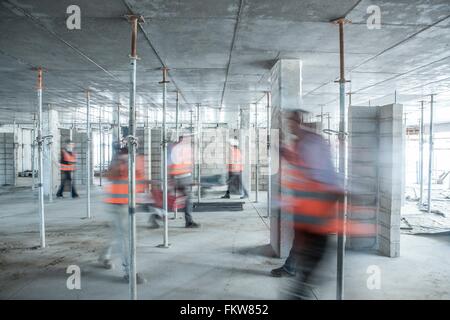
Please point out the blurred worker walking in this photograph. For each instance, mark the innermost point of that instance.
(235, 168)
(67, 166)
(310, 191)
(180, 166)
(117, 200)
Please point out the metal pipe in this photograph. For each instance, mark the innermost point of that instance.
(33, 153)
(342, 165)
(257, 153)
(118, 124)
(164, 160)
(88, 154)
(199, 154)
(421, 155)
(177, 107)
(40, 160)
(269, 158)
(132, 162)
(50, 160)
(100, 144)
(430, 154)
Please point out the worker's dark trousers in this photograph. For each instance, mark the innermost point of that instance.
(307, 252)
(66, 179)
(183, 188)
(235, 181)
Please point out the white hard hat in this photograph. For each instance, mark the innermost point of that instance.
(234, 142)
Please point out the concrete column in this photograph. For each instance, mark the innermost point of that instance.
(51, 152)
(286, 94)
(244, 145)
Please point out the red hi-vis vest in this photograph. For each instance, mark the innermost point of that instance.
(68, 161)
(235, 164)
(117, 186)
(180, 160)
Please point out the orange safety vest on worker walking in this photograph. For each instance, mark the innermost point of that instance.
(312, 204)
(117, 186)
(68, 160)
(180, 160)
(235, 164)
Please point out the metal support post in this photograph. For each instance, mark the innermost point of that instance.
(33, 153)
(269, 158)
(132, 160)
(257, 154)
(40, 142)
(199, 154)
(100, 145)
(421, 155)
(177, 110)
(164, 159)
(342, 164)
(88, 154)
(430, 154)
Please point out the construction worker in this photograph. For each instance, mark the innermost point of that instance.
(117, 200)
(235, 168)
(180, 166)
(67, 166)
(310, 191)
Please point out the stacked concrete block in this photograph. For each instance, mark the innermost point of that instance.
(144, 148)
(376, 151)
(7, 159)
(390, 179)
(214, 154)
(363, 150)
(263, 166)
(155, 151)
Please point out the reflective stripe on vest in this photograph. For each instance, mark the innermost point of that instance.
(312, 205)
(70, 160)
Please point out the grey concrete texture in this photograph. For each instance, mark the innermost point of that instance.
(213, 53)
(227, 258)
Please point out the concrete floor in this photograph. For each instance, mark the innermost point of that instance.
(227, 258)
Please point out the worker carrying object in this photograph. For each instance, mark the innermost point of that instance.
(67, 166)
(180, 166)
(235, 168)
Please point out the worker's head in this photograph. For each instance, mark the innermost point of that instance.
(69, 145)
(293, 119)
(234, 143)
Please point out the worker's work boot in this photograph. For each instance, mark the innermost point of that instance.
(106, 263)
(226, 196)
(153, 223)
(192, 225)
(281, 272)
(139, 279)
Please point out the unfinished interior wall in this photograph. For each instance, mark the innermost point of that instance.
(214, 153)
(376, 151)
(144, 148)
(51, 151)
(24, 151)
(7, 159)
(263, 165)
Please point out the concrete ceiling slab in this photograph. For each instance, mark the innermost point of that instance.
(194, 38)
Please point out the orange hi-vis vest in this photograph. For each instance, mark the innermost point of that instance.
(68, 161)
(313, 205)
(117, 186)
(180, 161)
(235, 164)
